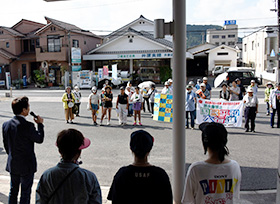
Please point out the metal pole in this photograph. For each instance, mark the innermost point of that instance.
(179, 74)
(69, 81)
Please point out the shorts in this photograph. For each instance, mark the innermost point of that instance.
(108, 104)
(94, 106)
(137, 106)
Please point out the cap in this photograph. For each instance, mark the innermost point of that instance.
(166, 83)
(191, 83)
(121, 88)
(252, 81)
(202, 84)
(204, 78)
(189, 86)
(269, 83)
(76, 87)
(86, 143)
(198, 80)
(250, 89)
(141, 142)
(170, 80)
(224, 84)
(237, 79)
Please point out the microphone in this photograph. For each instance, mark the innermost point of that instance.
(33, 114)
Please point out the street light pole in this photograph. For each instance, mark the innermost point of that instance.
(179, 78)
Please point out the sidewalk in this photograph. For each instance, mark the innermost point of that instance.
(246, 197)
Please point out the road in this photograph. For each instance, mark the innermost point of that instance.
(257, 153)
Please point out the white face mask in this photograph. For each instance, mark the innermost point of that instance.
(189, 91)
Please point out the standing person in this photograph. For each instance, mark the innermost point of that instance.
(67, 182)
(254, 86)
(190, 106)
(251, 104)
(94, 104)
(137, 100)
(242, 88)
(166, 89)
(198, 82)
(122, 105)
(208, 87)
(145, 95)
(170, 84)
(274, 101)
(203, 92)
(68, 100)
(234, 92)
(129, 93)
(224, 93)
(151, 93)
(141, 182)
(78, 96)
(107, 104)
(269, 88)
(132, 89)
(19, 136)
(217, 179)
(193, 87)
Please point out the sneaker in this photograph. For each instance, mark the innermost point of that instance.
(71, 122)
(67, 121)
(267, 114)
(108, 123)
(187, 127)
(140, 123)
(246, 130)
(152, 115)
(192, 128)
(101, 122)
(134, 123)
(95, 123)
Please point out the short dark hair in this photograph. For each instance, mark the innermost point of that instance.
(141, 143)
(68, 143)
(19, 103)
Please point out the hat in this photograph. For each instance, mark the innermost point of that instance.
(170, 80)
(252, 81)
(204, 78)
(76, 88)
(191, 83)
(94, 89)
(202, 84)
(224, 84)
(141, 142)
(198, 80)
(86, 144)
(121, 88)
(189, 86)
(166, 83)
(213, 134)
(269, 83)
(250, 89)
(106, 87)
(237, 79)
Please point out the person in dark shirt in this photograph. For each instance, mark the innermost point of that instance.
(107, 104)
(141, 182)
(242, 88)
(122, 107)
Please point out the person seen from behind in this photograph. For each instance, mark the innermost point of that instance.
(67, 182)
(251, 105)
(145, 95)
(19, 137)
(141, 182)
(267, 91)
(68, 100)
(217, 179)
(274, 101)
(93, 101)
(129, 93)
(152, 92)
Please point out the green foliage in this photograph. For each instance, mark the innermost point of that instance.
(194, 33)
(39, 77)
(165, 73)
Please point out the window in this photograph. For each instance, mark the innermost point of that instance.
(222, 53)
(7, 44)
(53, 28)
(54, 43)
(253, 44)
(38, 42)
(217, 43)
(85, 42)
(245, 47)
(223, 43)
(231, 43)
(1, 32)
(75, 43)
(32, 45)
(231, 36)
(223, 36)
(215, 36)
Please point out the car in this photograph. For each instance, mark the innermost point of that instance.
(243, 74)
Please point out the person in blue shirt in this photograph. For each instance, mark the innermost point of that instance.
(198, 82)
(208, 87)
(190, 106)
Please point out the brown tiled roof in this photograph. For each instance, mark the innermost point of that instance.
(7, 54)
(12, 31)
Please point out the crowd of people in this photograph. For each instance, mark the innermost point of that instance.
(140, 182)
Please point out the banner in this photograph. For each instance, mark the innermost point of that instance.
(76, 55)
(105, 72)
(228, 113)
(115, 71)
(163, 108)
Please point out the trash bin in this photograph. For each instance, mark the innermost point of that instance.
(24, 80)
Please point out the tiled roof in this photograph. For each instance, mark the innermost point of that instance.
(7, 54)
(12, 31)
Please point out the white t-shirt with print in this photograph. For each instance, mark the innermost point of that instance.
(136, 98)
(212, 183)
(94, 98)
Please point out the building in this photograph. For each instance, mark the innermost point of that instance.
(226, 36)
(29, 46)
(260, 50)
(132, 47)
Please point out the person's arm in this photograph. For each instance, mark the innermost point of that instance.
(95, 195)
(270, 98)
(64, 98)
(117, 103)
(127, 103)
(5, 138)
(188, 193)
(73, 98)
(89, 101)
(37, 135)
(257, 105)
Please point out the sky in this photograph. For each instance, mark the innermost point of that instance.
(103, 16)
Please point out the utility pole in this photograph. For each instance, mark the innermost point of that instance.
(69, 60)
(277, 81)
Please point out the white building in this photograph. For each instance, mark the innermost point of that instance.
(260, 50)
(133, 46)
(226, 36)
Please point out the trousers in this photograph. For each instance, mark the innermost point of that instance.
(273, 113)
(250, 115)
(192, 114)
(123, 113)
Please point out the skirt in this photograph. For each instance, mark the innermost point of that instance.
(137, 106)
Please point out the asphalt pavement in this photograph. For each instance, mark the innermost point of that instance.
(257, 153)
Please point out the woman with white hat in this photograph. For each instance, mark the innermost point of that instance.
(267, 91)
(251, 104)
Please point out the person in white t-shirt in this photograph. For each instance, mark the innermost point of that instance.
(217, 179)
(137, 100)
(94, 104)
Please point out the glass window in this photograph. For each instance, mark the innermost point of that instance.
(54, 43)
(231, 36)
(1, 32)
(38, 42)
(223, 36)
(75, 43)
(231, 43)
(217, 43)
(253, 44)
(222, 53)
(248, 74)
(215, 36)
(7, 44)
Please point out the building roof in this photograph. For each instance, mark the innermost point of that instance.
(7, 54)
(26, 21)
(263, 27)
(225, 46)
(12, 31)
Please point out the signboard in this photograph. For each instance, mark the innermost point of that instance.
(100, 73)
(2, 82)
(230, 22)
(8, 80)
(145, 56)
(76, 68)
(228, 113)
(85, 79)
(76, 55)
(105, 72)
(163, 108)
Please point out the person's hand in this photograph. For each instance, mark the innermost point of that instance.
(270, 106)
(38, 120)
(117, 107)
(69, 99)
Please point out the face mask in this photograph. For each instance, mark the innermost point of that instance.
(189, 91)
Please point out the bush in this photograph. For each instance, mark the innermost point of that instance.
(165, 73)
(39, 77)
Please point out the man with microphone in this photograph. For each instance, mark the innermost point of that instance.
(19, 136)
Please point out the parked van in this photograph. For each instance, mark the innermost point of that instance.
(219, 70)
